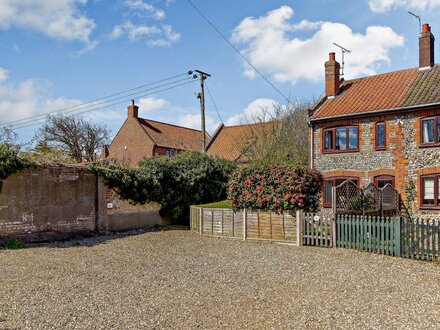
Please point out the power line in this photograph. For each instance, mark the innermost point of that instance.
(237, 50)
(213, 102)
(38, 121)
(81, 105)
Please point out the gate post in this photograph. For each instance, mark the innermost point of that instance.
(398, 238)
(201, 222)
(244, 224)
(334, 232)
(299, 228)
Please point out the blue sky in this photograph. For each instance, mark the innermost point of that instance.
(56, 54)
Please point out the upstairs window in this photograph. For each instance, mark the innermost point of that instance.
(341, 139)
(431, 131)
(430, 186)
(380, 136)
(169, 153)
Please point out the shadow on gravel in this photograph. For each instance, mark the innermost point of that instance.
(103, 238)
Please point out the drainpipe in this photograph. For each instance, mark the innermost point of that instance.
(311, 145)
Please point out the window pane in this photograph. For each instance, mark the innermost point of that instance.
(381, 135)
(353, 138)
(328, 191)
(428, 191)
(428, 131)
(341, 139)
(328, 137)
(438, 129)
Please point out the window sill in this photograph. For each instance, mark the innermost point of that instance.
(339, 152)
(381, 148)
(431, 145)
(430, 208)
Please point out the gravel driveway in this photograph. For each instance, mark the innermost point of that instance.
(178, 280)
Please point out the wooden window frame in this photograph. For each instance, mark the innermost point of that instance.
(334, 150)
(327, 204)
(436, 137)
(391, 178)
(378, 147)
(436, 205)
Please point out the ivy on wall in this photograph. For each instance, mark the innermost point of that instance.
(10, 162)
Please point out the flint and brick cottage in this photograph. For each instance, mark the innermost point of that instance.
(139, 138)
(382, 129)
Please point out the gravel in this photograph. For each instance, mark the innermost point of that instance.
(178, 280)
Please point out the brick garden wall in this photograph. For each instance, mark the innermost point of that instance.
(62, 202)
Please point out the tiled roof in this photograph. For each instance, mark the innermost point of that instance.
(172, 136)
(233, 142)
(399, 89)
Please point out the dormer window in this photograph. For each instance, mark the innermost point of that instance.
(341, 139)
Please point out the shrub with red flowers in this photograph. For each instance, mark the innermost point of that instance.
(276, 188)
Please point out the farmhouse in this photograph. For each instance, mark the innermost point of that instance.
(139, 138)
(382, 129)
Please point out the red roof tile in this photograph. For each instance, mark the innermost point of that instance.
(172, 136)
(405, 88)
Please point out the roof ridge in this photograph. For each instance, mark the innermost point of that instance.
(251, 124)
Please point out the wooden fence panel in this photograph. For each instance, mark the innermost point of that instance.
(372, 234)
(420, 238)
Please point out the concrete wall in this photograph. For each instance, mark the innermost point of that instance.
(64, 201)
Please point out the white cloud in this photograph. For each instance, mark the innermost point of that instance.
(60, 19)
(4, 75)
(194, 121)
(381, 6)
(268, 42)
(260, 109)
(28, 98)
(141, 6)
(154, 35)
(151, 104)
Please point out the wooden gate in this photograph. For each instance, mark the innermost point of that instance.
(421, 238)
(316, 230)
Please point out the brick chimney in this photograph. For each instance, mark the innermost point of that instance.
(426, 47)
(332, 71)
(133, 110)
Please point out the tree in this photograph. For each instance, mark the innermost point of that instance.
(279, 136)
(74, 135)
(8, 137)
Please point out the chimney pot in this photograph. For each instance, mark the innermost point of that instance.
(426, 28)
(332, 57)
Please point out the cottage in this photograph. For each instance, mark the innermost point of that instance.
(382, 129)
(139, 138)
(238, 142)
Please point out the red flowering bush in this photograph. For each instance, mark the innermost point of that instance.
(276, 188)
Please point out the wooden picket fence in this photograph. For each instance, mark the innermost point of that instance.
(372, 234)
(246, 225)
(316, 230)
(421, 239)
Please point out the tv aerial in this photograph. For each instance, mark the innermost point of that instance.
(418, 17)
(343, 51)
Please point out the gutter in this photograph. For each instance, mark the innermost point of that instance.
(368, 113)
(312, 155)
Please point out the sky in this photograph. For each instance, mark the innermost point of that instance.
(59, 54)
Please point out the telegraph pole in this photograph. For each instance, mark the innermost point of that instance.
(201, 96)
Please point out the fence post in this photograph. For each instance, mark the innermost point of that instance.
(244, 224)
(397, 231)
(299, 228)
(201, 222)
(333, 228)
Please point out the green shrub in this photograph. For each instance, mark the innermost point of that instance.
(10, 162)
(14, 245)
(189, 178)
(276, 188)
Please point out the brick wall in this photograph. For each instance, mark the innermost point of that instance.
(130, 144)
(403, 158)
(38, 204)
